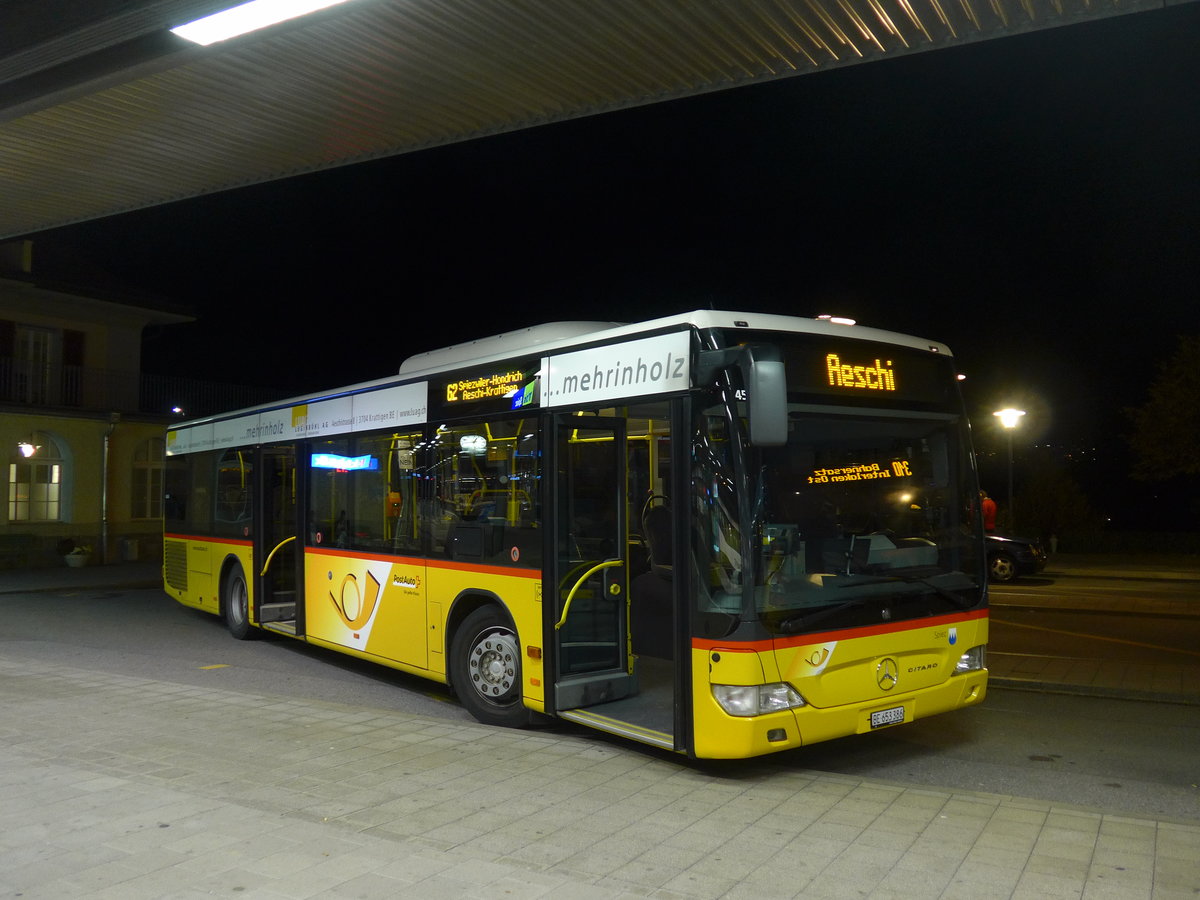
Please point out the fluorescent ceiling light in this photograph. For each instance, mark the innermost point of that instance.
(247, 17)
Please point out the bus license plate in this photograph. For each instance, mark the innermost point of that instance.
(891, 716)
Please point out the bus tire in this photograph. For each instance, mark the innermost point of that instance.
(485, 668)
(235, 602)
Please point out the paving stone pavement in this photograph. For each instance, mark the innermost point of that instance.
(121, 787)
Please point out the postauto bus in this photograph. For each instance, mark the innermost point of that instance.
(720, 533)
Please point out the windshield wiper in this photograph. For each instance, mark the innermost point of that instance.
(795, 623)
(946, 593)
(957, 599)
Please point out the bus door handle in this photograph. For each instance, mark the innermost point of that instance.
(607, 564)
(271, 555)
(614, 583)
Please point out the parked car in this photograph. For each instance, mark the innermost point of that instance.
(1012, 557)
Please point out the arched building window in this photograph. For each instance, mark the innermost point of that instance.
(146, 502)
(35, 480)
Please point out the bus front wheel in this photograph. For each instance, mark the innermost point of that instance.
(236, 603)
(485, 660)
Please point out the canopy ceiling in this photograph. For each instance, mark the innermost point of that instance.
(103, 110)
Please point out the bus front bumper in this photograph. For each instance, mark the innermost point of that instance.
(719, 735)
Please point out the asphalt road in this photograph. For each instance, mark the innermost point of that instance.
(1114, 636)
(1121, 756)
(1094, 618)
(1095, 590)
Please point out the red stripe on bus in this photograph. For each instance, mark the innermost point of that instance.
(359, 554)
(375, 557)
(842, 634)
(428, 563)
(486, 570)
(204, 539)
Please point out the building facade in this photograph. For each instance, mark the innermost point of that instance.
(80, 429)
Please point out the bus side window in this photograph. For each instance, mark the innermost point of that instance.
(485, 489)
(234, 492)
(362, 494)
(399, 492)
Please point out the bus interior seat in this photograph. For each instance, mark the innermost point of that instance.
(651, 592)
(474, 540)
(656, 529)
(637, 556)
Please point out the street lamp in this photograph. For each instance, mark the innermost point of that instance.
(1010, 418)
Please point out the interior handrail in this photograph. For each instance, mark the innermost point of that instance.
(607, 564)
(271, 555)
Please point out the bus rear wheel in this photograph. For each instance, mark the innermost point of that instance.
(235, 600)
(485, 669)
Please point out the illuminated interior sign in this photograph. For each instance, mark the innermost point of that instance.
(344, 463)
(878, 377)
(897, 468)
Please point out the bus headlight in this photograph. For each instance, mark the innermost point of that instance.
(756, 699)
(974, 660)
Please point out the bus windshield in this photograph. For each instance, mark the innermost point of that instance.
(865, 523)
(862, 517)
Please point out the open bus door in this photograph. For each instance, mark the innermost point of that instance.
(598, 680)
(277, 552)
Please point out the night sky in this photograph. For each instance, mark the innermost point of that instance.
(1032, 201)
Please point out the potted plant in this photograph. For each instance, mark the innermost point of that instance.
(74, 554)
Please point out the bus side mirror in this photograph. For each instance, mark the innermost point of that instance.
(763, 377)
(766, 387)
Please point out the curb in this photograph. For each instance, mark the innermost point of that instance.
(1191, 613)
(1121, 576)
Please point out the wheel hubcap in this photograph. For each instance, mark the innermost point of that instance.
(238, 601)
(493, 665)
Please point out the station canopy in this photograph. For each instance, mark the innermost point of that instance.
(104, 110)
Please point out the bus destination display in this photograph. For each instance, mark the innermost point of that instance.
(513, 387)
(866, 372)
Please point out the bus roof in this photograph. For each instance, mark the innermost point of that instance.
(564, 335)
(510, 343)
(547, 338)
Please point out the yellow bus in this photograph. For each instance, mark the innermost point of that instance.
(720, 533)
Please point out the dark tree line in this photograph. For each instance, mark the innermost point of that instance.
(1166, 428)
